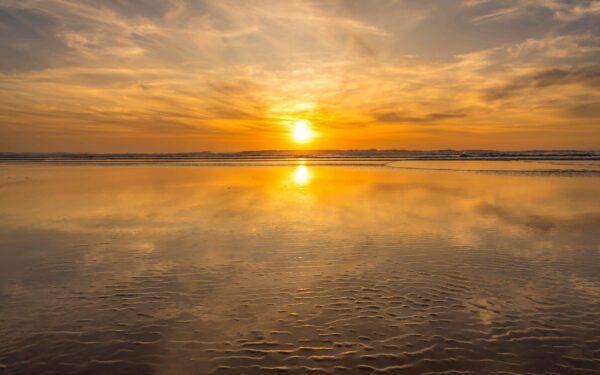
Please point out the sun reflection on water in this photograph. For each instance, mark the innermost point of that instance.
(302, 175)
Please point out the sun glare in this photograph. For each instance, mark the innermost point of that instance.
(302, 175)
(301, 131)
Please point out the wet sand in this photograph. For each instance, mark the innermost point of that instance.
(298, 269)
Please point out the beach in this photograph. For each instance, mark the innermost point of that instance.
(300, 266)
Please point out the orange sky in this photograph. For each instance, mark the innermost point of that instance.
(229, 75)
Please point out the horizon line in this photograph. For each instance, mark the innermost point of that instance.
(300, 152)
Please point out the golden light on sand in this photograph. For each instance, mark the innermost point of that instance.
(301, 131)
(302, 175)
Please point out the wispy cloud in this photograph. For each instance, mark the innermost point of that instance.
(545, 79)
(232, 75)
(406, 118)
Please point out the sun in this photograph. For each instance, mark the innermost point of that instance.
(301, 131)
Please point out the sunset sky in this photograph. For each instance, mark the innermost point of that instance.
(230, 75)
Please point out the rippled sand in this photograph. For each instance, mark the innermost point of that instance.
(299, 269)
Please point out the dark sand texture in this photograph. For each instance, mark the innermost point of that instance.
(303, 269)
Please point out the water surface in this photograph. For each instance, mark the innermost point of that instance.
(297, 268)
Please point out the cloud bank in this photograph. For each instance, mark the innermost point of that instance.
(183, 75)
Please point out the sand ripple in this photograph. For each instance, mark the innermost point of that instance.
(412, 314)
(400, 273)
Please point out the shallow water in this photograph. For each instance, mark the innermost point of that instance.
(253, 269)
(515, 166)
